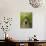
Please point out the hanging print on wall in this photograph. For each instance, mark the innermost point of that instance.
(26, 20)
(36, 3)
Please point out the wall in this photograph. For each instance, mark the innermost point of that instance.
(12, 8)
(45, 28)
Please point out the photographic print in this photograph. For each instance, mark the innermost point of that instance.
(26, 20)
